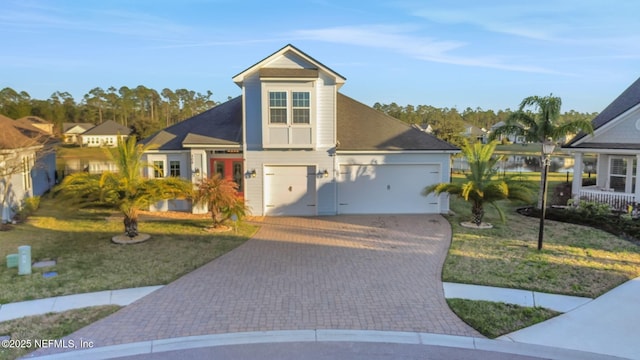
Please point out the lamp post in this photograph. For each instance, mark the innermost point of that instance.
(547, 149)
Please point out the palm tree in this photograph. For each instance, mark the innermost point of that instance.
(481, 184)
(126, 190)
(221, 197)
(541, 125)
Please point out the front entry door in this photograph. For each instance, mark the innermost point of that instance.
(230, 169)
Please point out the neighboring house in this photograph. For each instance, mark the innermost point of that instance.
(296, 146)
(616, 142)
(71, 132)
(39, 123)
(105, 134)
(27, 164)
(512, 138)
(474, 133)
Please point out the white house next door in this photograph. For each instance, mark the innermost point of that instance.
(290, 190)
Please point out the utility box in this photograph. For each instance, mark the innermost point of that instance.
(12, 260)
(24, 260)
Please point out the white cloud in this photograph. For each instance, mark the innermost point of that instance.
(402, 40)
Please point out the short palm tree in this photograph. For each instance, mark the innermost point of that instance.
(541, 125)
(221, 198)
(481, 185)
(127, 189)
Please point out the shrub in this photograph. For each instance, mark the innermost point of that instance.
(28, 208)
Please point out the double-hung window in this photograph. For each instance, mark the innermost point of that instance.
(622, 174)
(289, 118)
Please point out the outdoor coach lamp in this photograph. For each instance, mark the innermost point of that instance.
(547, 149)
(196, 171)
(251, 173)
(325, 173)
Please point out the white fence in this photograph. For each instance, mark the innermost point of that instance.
(617, 200)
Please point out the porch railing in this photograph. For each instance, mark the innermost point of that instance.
(617, 200)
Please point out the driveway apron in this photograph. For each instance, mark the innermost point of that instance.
(369, 272)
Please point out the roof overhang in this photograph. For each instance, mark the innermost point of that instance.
(263, 64)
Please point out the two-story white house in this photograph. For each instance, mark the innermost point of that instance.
(297, 146)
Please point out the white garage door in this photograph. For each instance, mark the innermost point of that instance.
(290, 190)
(387, 189)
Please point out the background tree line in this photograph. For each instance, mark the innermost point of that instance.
(448, 123)
(142, 109)
(146, 110)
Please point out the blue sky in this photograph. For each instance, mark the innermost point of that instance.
(488, 54)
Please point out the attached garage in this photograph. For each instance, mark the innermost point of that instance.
(290, 190)
(387, 189)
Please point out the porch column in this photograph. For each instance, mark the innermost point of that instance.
(637, 178)
(577, 176)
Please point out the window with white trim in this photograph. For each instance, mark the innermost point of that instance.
(288, 115)
(622, 174)
(158, 169)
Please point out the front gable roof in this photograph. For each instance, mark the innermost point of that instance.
(76, 127)
(108, 127)
(629, 99)
(304, 66)
(218, 126)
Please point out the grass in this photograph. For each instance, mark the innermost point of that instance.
(575, 260)
(494, 319)
(87, 261)
(48, 327)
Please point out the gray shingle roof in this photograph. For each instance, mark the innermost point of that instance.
(220, 125)
(628, 99)
(108, 127)
(360, 128)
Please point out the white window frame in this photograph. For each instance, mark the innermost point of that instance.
(289, 88)
(629, 176)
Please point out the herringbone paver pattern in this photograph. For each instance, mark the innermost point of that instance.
(340, 272)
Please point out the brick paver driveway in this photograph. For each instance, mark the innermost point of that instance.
(339, 272)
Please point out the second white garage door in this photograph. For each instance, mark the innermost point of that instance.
(290, 190)
(387, 189)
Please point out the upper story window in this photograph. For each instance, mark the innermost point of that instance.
(288, 115)
(278, 107)
(301, 107)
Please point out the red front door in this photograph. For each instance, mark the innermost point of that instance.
(230, 169)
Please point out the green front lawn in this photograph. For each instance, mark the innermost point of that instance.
(88, 261)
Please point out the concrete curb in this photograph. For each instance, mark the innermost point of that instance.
(325, 335)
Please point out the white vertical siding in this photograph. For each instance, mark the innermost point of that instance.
(325, 113)
(253, 112)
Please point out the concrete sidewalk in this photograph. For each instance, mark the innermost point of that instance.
(124, 297)
(606, 325)
(121, 297)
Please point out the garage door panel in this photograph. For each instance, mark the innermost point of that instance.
(368, 189)
(290, 190)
